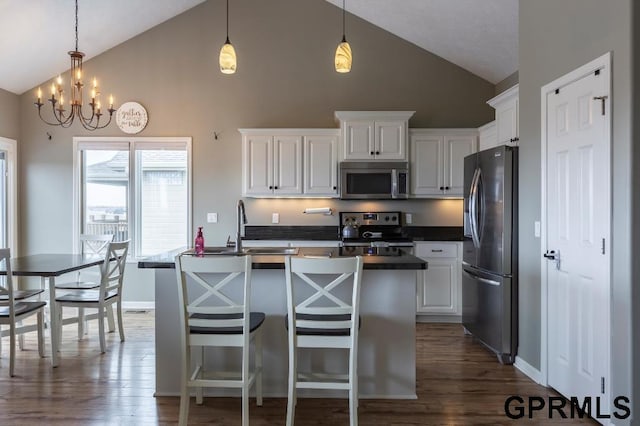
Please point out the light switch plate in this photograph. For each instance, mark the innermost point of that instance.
(275, 218)
(212, 217)
(408, 218)
(536, 228)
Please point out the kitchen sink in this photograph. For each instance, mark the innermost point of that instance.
(224, 251)
(282, 251)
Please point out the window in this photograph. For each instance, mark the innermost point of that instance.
(134, 188)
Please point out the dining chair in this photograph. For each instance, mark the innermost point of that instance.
(105, 296)
(13, 311)
(215, 311)
(318, 317)
(88, 279)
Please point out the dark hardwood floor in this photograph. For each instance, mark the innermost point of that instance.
(459, 383)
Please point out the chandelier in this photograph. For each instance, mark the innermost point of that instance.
(65, 117)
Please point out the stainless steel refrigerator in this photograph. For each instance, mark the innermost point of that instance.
(490, 257)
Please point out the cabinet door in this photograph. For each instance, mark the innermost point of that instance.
(358, 140)
(437, 289)
(390, 140)
(507, 122)
(287, 165)
(258, 165)
(320, 165)
(427, 165)
(456, 148)
(488, 136)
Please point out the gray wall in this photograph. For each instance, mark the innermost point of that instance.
(285, 78)
(9, 114)
(507, 83)
(555, 38)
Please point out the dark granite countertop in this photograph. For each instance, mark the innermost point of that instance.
(403, 261)
(331, 233)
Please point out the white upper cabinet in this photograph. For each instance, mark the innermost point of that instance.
(374, 135)
(272, 164)
(289, 162)
(488, 136)
(437, 161)
(506, 106)
(321, 165)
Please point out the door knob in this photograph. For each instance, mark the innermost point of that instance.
(553, 255)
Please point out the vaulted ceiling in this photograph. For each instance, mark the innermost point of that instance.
(480, 36)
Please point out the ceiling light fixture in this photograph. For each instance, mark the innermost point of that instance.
(228, 61)
(343, 52)
(66, 118)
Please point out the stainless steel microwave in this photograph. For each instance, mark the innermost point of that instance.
(374, 180)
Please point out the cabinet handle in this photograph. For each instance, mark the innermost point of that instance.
(437, 251)
(442, 188)
(446, 187)
(270, 187)
(275, 187)
(377, 152)
(371, 152)
(335, 187)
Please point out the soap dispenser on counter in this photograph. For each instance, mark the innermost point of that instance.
(199, 243)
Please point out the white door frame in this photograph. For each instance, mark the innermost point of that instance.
(11, 147)
(603, 61)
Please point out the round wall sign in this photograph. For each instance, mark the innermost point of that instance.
(131, 117)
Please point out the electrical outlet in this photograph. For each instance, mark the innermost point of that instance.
(408, 218)
(536, 228)
(275, 218)
(212, 217)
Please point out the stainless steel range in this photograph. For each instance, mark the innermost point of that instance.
(374, 229)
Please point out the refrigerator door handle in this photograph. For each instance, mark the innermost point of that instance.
(478, 199)
(482, 280)
(473, 213)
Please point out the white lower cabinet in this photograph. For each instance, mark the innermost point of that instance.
(439, 292)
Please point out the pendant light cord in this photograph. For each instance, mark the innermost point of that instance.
(227, 21)
(344, 38)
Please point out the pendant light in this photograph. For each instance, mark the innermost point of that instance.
(343, 52)
(228, 61)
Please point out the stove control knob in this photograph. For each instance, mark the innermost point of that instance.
(386, 218)
(393, 218)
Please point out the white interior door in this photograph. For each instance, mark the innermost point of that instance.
(577, 219)
(8, 204)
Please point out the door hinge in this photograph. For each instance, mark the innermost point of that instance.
(601, 384)
(603, 99)
(602, 250)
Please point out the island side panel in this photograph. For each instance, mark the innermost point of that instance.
(387, 337)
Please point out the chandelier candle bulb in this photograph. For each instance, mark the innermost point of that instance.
(39, 94)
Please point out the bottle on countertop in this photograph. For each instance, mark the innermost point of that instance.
(199, 243)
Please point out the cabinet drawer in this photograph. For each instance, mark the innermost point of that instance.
(426, 250)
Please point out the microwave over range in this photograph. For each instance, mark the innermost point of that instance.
(374, 180)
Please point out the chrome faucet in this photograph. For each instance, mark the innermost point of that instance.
(242, 219)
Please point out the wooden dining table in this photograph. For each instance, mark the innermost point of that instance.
(48, 266)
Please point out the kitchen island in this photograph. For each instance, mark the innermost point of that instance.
(387, 348)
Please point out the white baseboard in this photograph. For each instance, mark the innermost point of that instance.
(138, 306)
(526, 368)
(455, 319)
